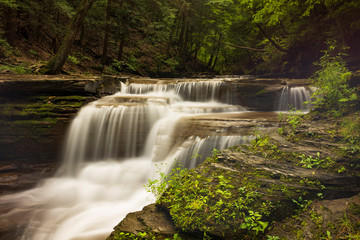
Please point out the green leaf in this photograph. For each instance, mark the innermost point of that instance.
(243, 226)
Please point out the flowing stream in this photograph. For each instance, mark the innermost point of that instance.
(114, 145)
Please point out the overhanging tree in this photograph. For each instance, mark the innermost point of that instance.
(55, 65)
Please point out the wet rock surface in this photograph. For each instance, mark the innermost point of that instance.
(35, 112)
(17, 176)
(306, 202)
(240, 123)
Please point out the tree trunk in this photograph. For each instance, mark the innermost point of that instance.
(211, 59)
(55, 40)
(197, 48)
(55, 65)
(82, 35)
(106, 35)
(10, 25)
(121, 46)
(173, 30)
(253, 66)
(217, 52)
(187, 40)
(182, 36)
(213, 52)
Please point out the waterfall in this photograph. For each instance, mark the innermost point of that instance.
(199, 91)
(112, 148)
(195, 150)
(295, 98)
(109, 132)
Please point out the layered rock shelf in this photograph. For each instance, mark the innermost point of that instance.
(304, 200)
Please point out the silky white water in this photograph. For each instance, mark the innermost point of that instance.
(113, 146)
(296, 98)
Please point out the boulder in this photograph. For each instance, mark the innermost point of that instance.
(152, 219)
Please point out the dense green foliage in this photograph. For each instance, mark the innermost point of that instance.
(213, 202)
(155, 36)
(333, 92)
(201, 203)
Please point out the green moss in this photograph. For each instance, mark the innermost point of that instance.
(42, 107)
(19, 69)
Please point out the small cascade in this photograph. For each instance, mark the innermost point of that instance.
(102, 132)
(195, 150)
(137, 88)
(198, 91)
(295, 98)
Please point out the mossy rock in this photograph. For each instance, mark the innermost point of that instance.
(244, 192)
(229, 198)
(328, 219)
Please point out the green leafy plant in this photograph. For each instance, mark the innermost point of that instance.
(199, 203)
(311, 162)
(6, 49)
(328, 236)
(33, 52)
(294, 120)
(269, 237)
(350, 126)
(341, 169)
(253, 222)
(333, 92)
(260, 142)
(302, 203)
(157, 186)
(19, 69)
(73, 59)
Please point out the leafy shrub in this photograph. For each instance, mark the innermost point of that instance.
(5, 49)
(212, 203)
(333, 92)
(73, 59)
(8, 3)
(19, 69)
(33, 52)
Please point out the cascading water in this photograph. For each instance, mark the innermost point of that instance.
(295, 98)
(199, 91)
(110, 152)
(195, 150)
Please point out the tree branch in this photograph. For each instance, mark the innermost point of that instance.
(248, 48)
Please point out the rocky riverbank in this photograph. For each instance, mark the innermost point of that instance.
(300, 182)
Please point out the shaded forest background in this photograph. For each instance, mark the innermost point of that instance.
(172, 37)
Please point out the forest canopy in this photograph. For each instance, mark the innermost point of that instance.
(152, 37)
